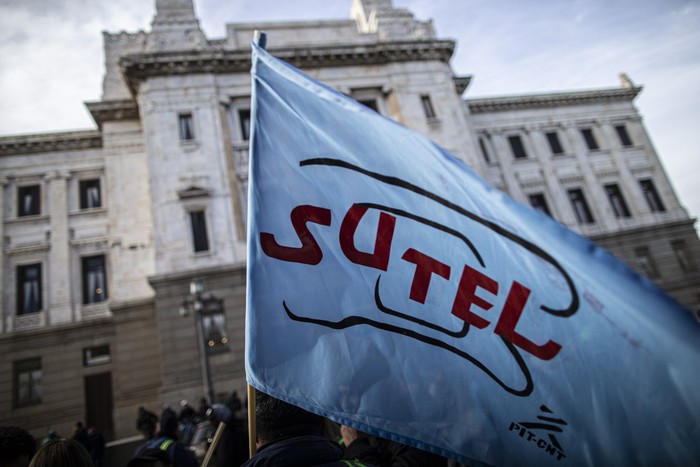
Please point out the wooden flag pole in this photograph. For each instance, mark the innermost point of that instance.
(252, 448)
(214, 443)
(260, 38)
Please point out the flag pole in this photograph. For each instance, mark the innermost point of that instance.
(214, 443)
(260, 39)
(252, 448)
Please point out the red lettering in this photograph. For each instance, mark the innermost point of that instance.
(426, 266)
(310, 251)
(515, 303)
(466, 295)
(379, 259)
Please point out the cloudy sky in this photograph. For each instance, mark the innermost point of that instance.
(51, 56)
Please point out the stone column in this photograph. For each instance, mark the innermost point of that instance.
(59, 270)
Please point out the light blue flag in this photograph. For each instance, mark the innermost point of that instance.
(392, 290)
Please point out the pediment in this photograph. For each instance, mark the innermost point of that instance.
(193, 191)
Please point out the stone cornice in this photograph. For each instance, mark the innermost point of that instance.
(461, 83)
(539, 101)
(50, 142)
(656, 229)
(104, 111)
(139, 67)
(163, 279)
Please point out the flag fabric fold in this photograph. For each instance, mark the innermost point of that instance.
(392, 290)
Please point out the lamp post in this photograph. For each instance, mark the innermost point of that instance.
(202, 304)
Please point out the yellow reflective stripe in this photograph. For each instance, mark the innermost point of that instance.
(165, 444)
(353, 463)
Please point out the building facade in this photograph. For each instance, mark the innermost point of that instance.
(106, 231)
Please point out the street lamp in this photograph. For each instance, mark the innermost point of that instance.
(208, 312)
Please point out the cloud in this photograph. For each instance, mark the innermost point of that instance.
(51, 58)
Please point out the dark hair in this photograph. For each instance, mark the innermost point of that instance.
(277, 419)
(168, 423)
(62, 453)
(14, 443)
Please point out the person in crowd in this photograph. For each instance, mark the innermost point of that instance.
(50, 436)
(62, 453)
(359, 445)
(17, 446)
(146, 422)
(151, 458)
(234, 403)
(166, 440)
(188, 421)
(232, 448)
(385, 453)
(97, 446)
(203, 407)
(80, 434)
(290, 436)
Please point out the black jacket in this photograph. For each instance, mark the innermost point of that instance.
(299, 451)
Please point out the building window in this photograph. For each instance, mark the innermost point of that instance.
(645, 262)
(199, 231)
(28, 200)
(516, 145)
(538, 202)
(578, 202)
(29, 289)
(617, 201)
(623, 135)
(90, 194)
(244, 120)
(27, 379)
(370, 103)
(484, 150)
(683, 256)
(98, 355)
(428, 109)
(554, 144)
(186, 126)
(651, 195)
(588, 136)
(94, 279)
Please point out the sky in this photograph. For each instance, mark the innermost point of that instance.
(51, 58)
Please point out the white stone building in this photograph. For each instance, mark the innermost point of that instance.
(104, 230)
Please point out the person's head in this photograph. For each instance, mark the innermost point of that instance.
(17, 446)
(168, 423)
(218, 413)
(276, 419)
(62, 453)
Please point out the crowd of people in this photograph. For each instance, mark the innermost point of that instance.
(286, 435)
(185, 437)
(84, 448)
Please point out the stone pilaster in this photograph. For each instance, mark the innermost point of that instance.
(59, 274)
(627, 181)
(3, 185)
(505, 160)
(593, 192)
